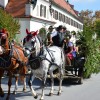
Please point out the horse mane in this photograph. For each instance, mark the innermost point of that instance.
(18, 46)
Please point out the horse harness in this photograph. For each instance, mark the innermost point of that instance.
(6, 60)
(35, 62)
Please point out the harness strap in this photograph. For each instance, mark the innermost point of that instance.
(12, 55)
(41, 44)
(51, 55)
(16, 53)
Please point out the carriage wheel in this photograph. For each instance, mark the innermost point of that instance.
(80, 75)
(80, 80)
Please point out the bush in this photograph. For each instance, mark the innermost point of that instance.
(91, 51)
(42, 33)
(92, 64)
(9, 23)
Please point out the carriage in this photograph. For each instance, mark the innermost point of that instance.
(42, 60)
(73, 73)
(76, 70)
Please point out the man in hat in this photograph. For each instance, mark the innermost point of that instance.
(57, 36)
(48, 39)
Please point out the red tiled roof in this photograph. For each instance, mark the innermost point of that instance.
(65, 5)
(16, 7)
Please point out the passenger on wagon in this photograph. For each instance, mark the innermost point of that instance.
(57, 36)
(48, 39)
(69, 49)
(64, 30)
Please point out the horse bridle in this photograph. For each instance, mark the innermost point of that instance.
(33, 50)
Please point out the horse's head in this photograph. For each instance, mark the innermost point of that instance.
(3, 37)
(3, 40)
(31, 43)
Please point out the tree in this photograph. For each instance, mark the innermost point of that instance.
(97, 27)
(97, 14)
(42, 33)
(91, 47)
(9, 23)
(86, 16)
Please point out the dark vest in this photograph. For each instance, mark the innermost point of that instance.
(58, 39)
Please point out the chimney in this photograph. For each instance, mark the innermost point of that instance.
(28, 9)
(67, 1)
(3, 3)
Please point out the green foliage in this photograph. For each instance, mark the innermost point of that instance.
(42, 33)
(9, 23)
(73, 32)
(97, 27)
(90, 47)
(42, 30)
(92, 64)
(91, 51)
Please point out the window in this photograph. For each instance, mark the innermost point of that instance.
(42, 10)
(56, 15)
(69, 21)
(59, 16)
(53, 12)
(74, 23)
(63, 18)
(77, 25)
(66, 20)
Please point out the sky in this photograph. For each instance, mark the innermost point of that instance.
(80, 5)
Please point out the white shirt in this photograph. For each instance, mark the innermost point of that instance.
(73, 39)
(54, 33)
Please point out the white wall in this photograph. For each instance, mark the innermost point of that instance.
(31, 24)
(24, 23)
(34, 26)
(37, 22)
(69, 27)
(3, 3)
(49, 17)
(36, 11)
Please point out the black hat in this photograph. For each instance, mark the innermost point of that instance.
(51, 27)
(59, 27)
(64, 28)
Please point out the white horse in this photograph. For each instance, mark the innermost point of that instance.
(42, 60)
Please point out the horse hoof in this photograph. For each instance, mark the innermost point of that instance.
(59, 93)
(36, 97)
(7, 98)
(41, 99)
(14, 92)
(24, 90)
(50, 94)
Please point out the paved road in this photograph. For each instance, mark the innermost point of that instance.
(90, 89)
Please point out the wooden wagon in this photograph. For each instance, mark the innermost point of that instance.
(75, 71)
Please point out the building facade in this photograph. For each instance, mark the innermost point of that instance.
(35, 14)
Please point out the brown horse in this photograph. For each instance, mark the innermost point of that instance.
(12, 60)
